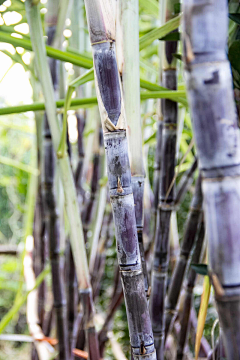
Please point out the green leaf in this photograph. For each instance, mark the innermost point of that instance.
(178, 96)
(202, 314)
(201, 269)
(177, 8)
(235, 18)
(151, 138)
(74, 59)
(160, 32)
(18, 165)
(174, 36)
(178, 56)
(234, 55)
(10, 266)
(150, 6)
(103, 181)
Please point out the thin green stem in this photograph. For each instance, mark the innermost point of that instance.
(178, 96)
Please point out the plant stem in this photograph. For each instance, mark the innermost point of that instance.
(211, 99)
(188, 296)
(128, 66)
(166, 196)
(186, 247)
(102, 35)
(88, 102)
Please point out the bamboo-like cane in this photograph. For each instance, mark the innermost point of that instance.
(186, 247)
(210, 93)
(188, 298)
(128, 66)
(52, 230)
(102, 35)
(166, 198)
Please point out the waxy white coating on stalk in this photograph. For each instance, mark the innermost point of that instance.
(128, 64)
(111, 108)
(101, 20)
(214, 118)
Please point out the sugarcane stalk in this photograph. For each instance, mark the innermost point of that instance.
(50, 208)
(52, 229)
(158, 152)
(188, 297)
(128, 66)
(166, 197)
(72, 298)
(102, 35)
(39, 251)
(210, 93)
(186, 247)
(90, 205)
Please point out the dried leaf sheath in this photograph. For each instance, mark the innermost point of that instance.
(210, 94)
(119, 177)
